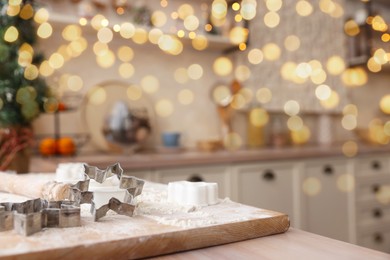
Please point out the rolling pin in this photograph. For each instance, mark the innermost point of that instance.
(34, 186)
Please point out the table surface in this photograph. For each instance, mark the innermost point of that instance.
(294, 244)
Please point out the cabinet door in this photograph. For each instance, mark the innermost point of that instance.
(327, 187)
(218, 174)
(267, 186)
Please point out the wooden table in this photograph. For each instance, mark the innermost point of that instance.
(294, 244)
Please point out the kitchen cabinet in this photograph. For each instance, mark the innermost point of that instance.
(267, 185)
(331, 195)
(373, 202)
(326, 198)
(218, 174)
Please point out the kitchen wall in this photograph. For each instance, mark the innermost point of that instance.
(198, 120)
(321, 36)
(368, 97)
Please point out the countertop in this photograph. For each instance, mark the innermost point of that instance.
(293, 244)
(153, 159)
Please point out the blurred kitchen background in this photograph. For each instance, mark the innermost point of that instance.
(306, 69)
(285, 104)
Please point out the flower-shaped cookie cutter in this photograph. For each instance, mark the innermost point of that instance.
(131, 184)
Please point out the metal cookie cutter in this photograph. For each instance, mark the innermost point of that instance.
(31, 216)
(131, 184)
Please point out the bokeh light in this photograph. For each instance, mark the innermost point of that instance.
(97, 96)
(125, 53)
(263, 95)
(195, 71)
(271, 19)
(332, 102)
(301, 136)
(150, 84)
(126, 70)
(346, 182)
(185, 97)
(181, 75)
(311, 186)
(11, 34)
(164, 108)
(323, 92)
(258, 117)
(350, 149)
(384, 104)
(292, 43)
(304, 8)
(222, 66)
(222, 95)
(271, 51)
(255, 56)
(242, 73)
(44, 30)
(274, 5)
(232, 141)
(134, 92)
(335, 65)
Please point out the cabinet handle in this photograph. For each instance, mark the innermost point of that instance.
(269, 175)
(328, 170)
(195, 178)
(376, 188)
(376, 165)
(378, 238)
(377, 213)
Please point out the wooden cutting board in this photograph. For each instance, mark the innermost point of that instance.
(157, 228)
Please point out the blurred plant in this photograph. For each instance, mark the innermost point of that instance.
(22, 92)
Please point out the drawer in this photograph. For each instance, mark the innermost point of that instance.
(326, 168)
(268, 186)
(377, 240)
(373, 189)
(377, 165)
(218, 174)
(373, 214)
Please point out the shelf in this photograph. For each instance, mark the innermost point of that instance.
(63, 14)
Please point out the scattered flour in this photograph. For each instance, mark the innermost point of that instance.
(153, 215)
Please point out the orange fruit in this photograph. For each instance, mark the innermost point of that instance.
(61, 106)
(66, 146)
(47, 146)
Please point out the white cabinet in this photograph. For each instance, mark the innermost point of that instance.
(327, 190)
(218, 174)
(342, 198)
(268, 186)
(373, 202)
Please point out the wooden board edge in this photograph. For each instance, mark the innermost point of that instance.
(166, 243)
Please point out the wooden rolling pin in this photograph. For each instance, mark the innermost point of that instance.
(34, 186)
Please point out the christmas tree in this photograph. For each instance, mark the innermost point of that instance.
(23, 92)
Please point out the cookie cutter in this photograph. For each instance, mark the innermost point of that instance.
(31, 216)
(131, 184)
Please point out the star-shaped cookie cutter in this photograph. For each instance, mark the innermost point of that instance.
(32, 216)
(131, 184)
